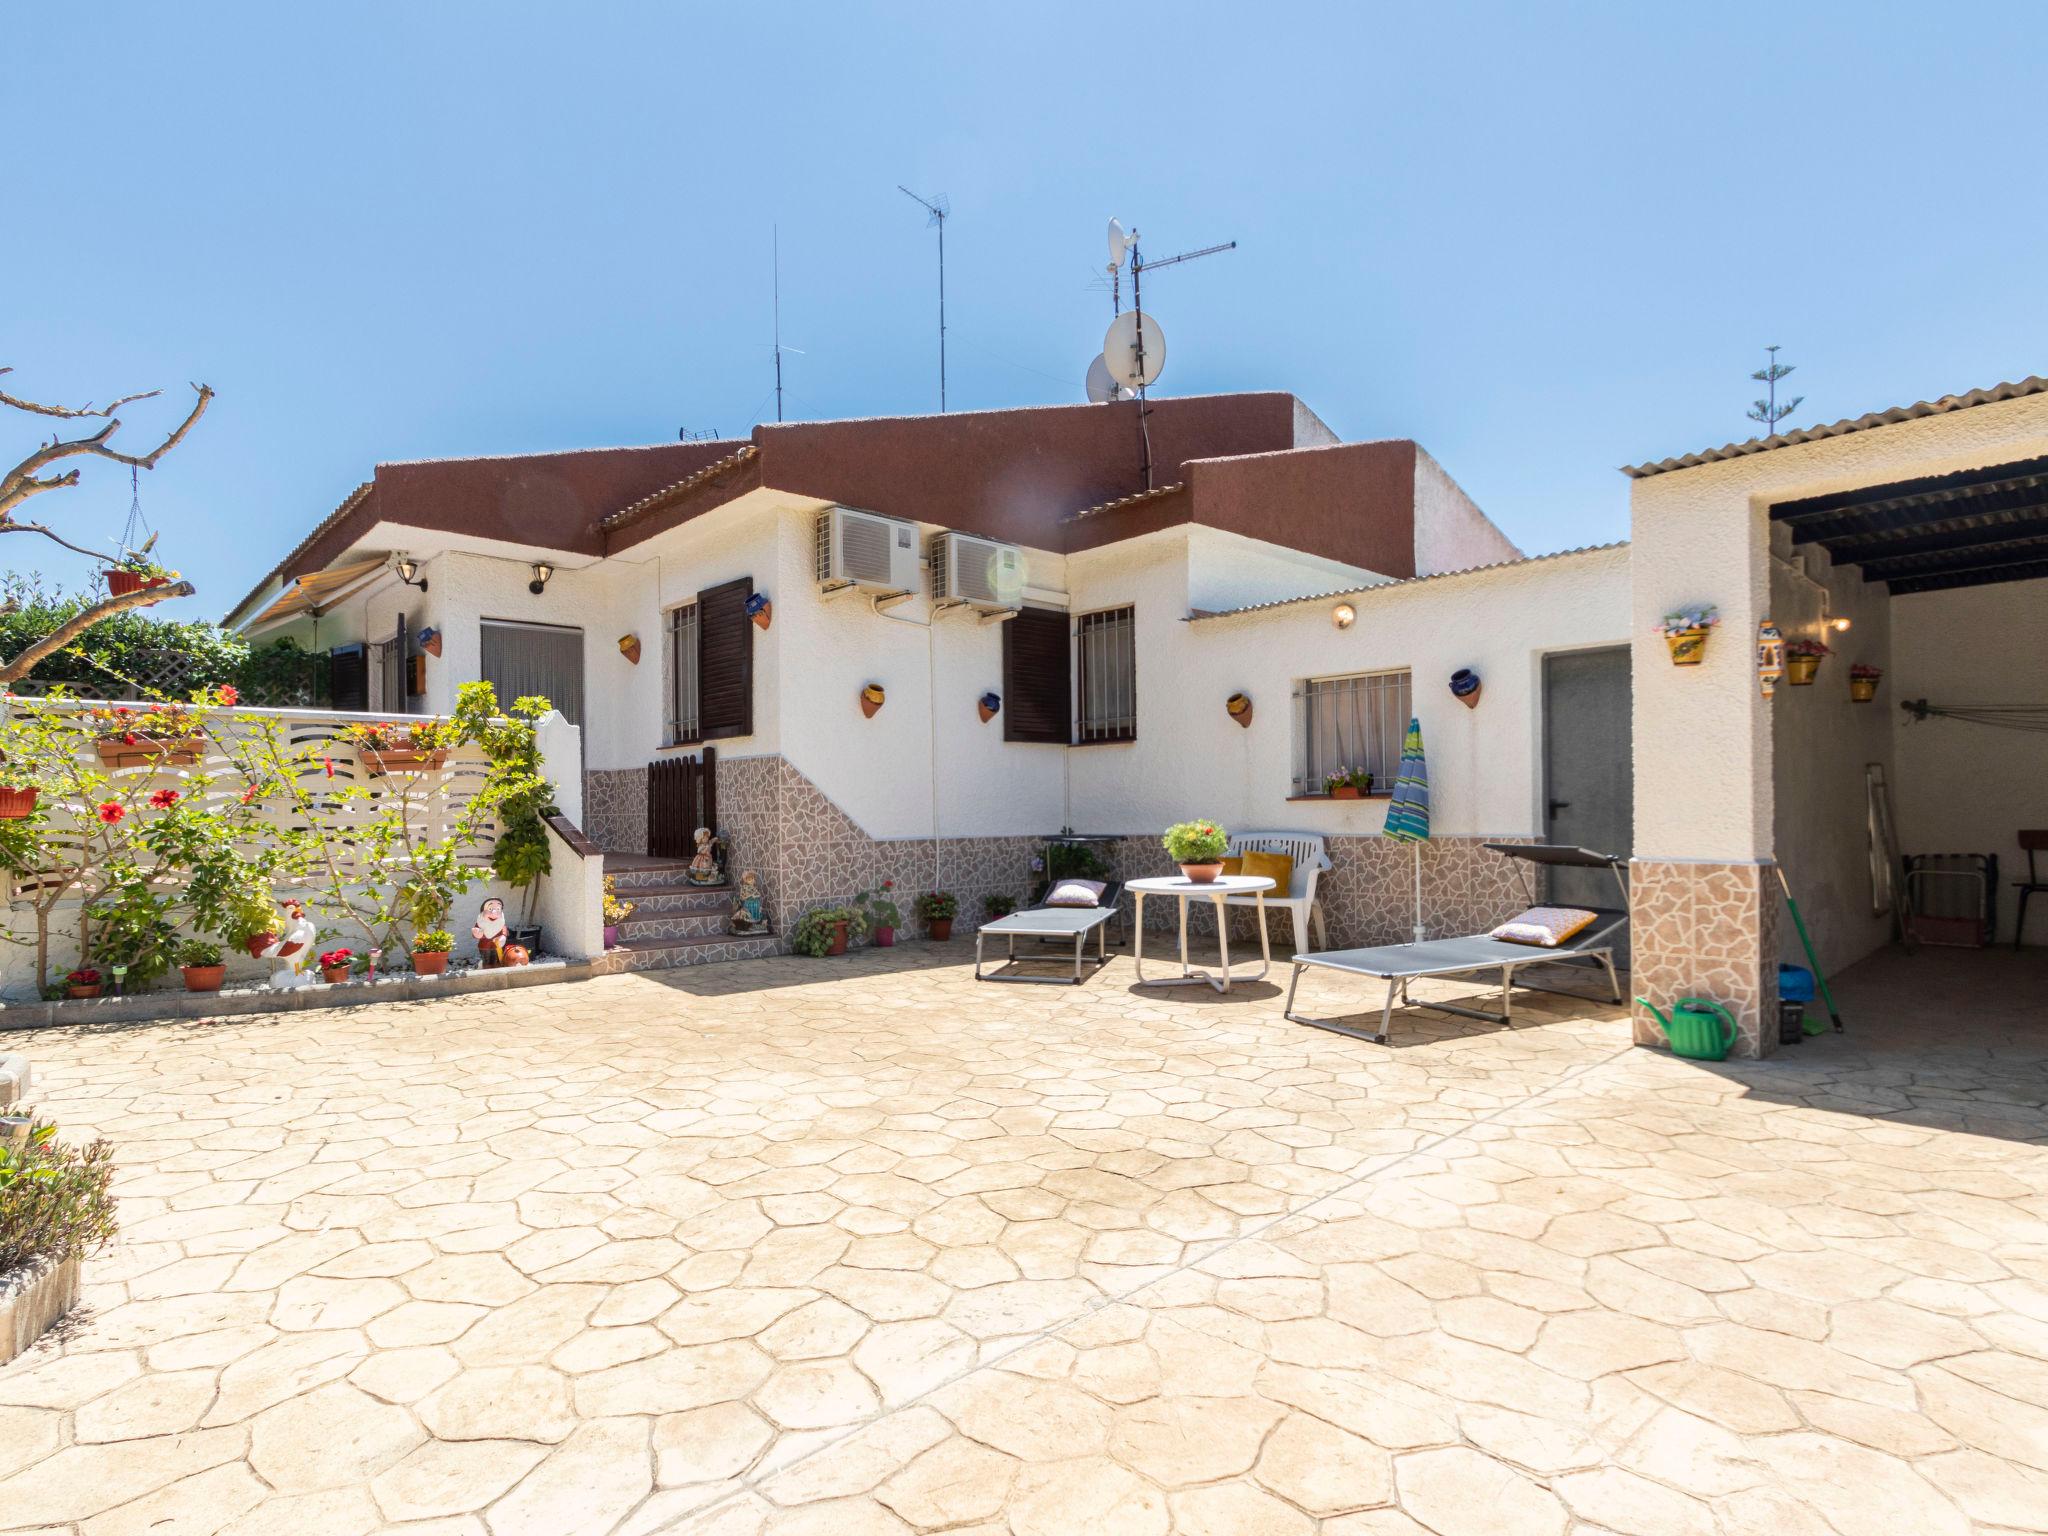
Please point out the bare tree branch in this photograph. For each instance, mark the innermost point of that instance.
(72, 412)
(25, 663)
(24, 481)
(50, 533)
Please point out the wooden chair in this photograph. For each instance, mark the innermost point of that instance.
(2034, 840)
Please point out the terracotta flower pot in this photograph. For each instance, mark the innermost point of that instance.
(121, 583)
(940, 928)
(334, 975)
(146, 751)
(838, 940)
(764, 615)
(16, 804)
(383, 760)
(82, 993)
(1688, 647)
(885, 938)
(204, 978)
(1202, 874)
(1345, 792)
(429, 962)
(984, 711)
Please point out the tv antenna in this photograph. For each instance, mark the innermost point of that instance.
(775, 238)
(940, 208)
(1767, 410)
(1125, 354)
(700, 435)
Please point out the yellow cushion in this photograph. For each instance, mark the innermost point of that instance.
(1545, 927)
(1277, 867)
(1233, 865)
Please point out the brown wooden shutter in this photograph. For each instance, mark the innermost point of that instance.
(1037, 693)
(725, 661)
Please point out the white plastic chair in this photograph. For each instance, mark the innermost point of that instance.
(1311, 858)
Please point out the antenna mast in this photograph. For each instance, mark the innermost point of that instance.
(776, 237)
(1120, 242)
(1767, 410)
(939, 206)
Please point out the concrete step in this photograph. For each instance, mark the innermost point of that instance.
(664, 900)
(689, 923)
(642, 873)
(665, 954)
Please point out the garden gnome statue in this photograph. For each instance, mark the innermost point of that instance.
(292, 950)
(704, 868)
(748, 916)
(489, 932)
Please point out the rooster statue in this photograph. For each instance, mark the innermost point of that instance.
(291, 951)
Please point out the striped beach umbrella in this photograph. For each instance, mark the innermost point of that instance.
(1408, 811)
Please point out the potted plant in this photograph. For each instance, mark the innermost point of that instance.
(1347, 783)
(880, 914)
(335, 965)
(1686, 633)
(82, 983)
(430, 951)
(421, 747)
(17, 804)
(616, 910)
(135, 570)
(55, 1209)
(201, 963)
(1802, 660)
(1197, 847)
(997, 906)
(1863, 682)
(823, 931)
(938, 909)
(167, 735)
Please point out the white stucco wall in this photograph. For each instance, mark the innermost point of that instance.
(1960, 787)
(1700, 535)
(1228, 570)
(1821, 745)
(1451, 533)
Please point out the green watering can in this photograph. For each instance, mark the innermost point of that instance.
(1696, 1028)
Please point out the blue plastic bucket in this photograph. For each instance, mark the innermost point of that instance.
(1795, 984)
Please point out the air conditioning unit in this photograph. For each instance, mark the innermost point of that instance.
(865, 550)
(979, 573)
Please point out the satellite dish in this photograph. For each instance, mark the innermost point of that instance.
(1101, 387)
(1119, 242)
(1120, 350)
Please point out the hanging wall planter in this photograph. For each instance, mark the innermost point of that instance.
(1465, 687)
(760, 610)
(1240, 707)
(629, 647)
(988, 706)
(1802, 662)
(1863, 683)
(871, 699)
(430, 641)
(1686, 633)
(138, 751)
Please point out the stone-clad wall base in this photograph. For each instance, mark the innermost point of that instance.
(1706, 930)
(615, 809)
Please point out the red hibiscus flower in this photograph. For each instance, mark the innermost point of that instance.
(111, 812)
(328, 763)
(128, 738)
(228, 694)
(164, 799)
(250, 794)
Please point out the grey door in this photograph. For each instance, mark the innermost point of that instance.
(1588, 782)
(519, 659)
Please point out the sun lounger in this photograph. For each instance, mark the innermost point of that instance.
(1399, 964)
(1050, 925)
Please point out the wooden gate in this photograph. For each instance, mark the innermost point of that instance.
(682, 795)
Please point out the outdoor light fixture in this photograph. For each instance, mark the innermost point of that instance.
(1838, 624)
(1343, 615)
(409, 570)
(541, 572)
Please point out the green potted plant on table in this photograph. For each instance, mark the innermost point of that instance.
(430, 951)
(824, 931)
(881, 916)
(1197, 847)
(202, 965)
(938, 909)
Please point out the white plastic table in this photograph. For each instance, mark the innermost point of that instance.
(1216, 891)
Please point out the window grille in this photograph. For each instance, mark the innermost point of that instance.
(682, 674)
(1352, 722)
(1109, 676)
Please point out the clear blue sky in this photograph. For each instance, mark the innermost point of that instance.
(1543, 241)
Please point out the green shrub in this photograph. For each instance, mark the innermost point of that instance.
(198, 952)
(54, 1200)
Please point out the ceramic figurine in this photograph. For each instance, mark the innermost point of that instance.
(704, 866)
(514, 954)
(1770, 657)
(489, 932)
(748, 915)
(292, 950)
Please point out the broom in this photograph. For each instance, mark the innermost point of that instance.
(1819, 976)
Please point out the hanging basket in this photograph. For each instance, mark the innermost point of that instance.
(120, 583)
(1688, 647)
(17, 804)
(149, 751)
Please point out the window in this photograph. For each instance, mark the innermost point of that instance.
(725, 661)
(1352, 722)
(682, 674)
(1038, 699)
(1109, 676)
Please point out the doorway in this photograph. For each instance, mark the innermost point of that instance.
(1588, 773)
(547, 659)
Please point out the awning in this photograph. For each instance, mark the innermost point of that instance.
(319, 591)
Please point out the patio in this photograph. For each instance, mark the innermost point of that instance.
(858, 1246)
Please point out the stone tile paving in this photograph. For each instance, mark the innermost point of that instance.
(859, 1246)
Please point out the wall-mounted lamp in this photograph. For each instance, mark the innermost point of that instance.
(541, 572)
(1838, 624)
(408, 570)
(1343, 615)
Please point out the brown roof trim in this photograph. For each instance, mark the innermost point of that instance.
(1201, 614)
(1122, 503)
(326, 525)
(2032, 385)
(647, 505)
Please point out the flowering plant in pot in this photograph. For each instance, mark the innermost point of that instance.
(1863, 682)
(1347, 783)
(135, 570)
(1197, 847)
(335, 965)
(155, 734)
(202, 965)
(1686, 633)
(1802, 660)
(616, 910)
(83, 982)
(419, 747)
(938, 909)
(823, 931)
(430, 951)
(998, 906)
(882, 916)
